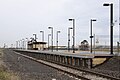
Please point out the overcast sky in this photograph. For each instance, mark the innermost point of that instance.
(21, 18)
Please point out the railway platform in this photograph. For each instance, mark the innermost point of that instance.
(77, 59)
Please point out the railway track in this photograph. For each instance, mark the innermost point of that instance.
(81, 73)
(88, 71)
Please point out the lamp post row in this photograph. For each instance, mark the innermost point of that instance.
(91, 36)
(21, 43)
(51, 38)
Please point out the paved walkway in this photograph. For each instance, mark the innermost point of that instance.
(83, 54)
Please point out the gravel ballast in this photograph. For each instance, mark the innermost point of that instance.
(30, 70)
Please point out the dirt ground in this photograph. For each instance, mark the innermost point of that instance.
(5, 74)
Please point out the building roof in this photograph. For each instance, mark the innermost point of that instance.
(30, 43)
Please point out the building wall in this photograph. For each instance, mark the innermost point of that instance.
(39, 46)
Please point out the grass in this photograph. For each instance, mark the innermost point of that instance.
(98, 60)
(4, 73)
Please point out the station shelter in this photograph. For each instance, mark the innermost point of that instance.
(36, 45)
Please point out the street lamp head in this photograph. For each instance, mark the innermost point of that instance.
(41, 31)
(58, 31)
(93, 20)
(106, 4)
(49, 27)
(70, 19)
(70, 28)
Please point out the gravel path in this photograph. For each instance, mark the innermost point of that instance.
(31, 70)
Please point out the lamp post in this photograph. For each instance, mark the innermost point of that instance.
(16, 44)
(73, 34)
(42, 35)
(51, 37)
(111, 26)
(35, 39)
(27, 43)
(119, 27)
(91, 36)
(119, 20)
(19, 43)
(57, 40)
(69, 38)
(23, 43)
(48, 40)
(42, 38)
